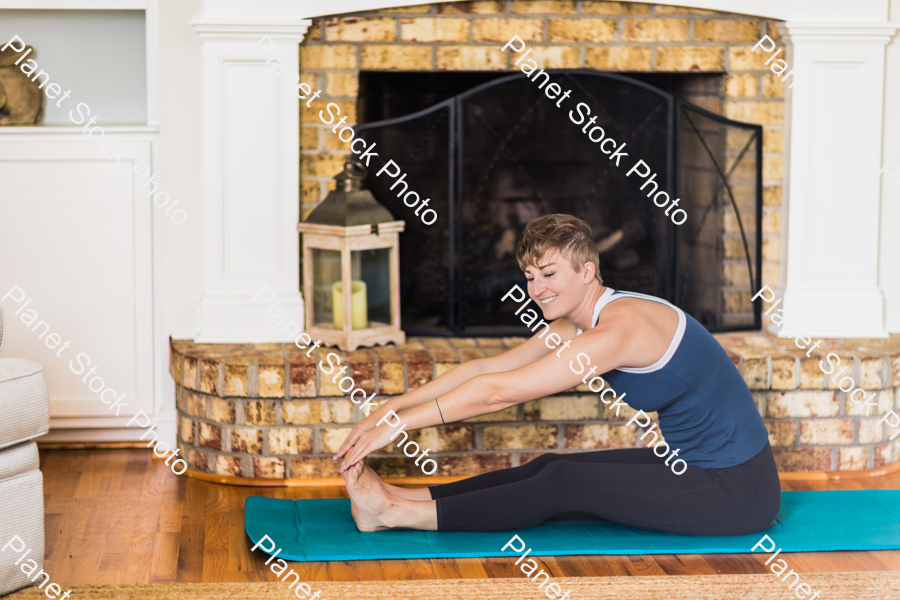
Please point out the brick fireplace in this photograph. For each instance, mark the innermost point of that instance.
(262, 411)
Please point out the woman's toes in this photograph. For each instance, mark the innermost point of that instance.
(351, 480)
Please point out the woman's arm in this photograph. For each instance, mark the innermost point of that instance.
(491, 392)
(528, 352)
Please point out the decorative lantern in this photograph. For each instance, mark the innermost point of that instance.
(351, 266)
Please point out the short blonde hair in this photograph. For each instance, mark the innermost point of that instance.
(568, 235)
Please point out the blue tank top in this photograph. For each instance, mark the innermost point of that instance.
(704, 406)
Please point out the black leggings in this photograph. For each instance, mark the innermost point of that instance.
(631, 487)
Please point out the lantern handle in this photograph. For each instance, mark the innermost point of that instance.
(351, 176)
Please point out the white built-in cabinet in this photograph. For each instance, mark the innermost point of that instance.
(76, 232)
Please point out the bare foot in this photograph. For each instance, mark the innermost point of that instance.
(368, 500)
(418, 494)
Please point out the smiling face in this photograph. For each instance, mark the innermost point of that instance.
(556, 286)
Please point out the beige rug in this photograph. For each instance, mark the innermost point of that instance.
(833, 586)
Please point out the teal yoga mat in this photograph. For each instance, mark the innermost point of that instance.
(308, 530)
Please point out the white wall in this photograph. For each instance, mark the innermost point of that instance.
(181, 115)
(99, 55)
(180, 277)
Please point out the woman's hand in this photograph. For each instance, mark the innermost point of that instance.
(364, 444)
(362, 427)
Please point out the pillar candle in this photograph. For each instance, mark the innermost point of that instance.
(359, 308)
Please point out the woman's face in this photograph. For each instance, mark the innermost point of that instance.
(556, 286)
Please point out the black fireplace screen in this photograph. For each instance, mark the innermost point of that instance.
(496, 156)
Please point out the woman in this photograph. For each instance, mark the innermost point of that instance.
(662, 358)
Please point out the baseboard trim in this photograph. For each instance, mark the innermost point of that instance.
(98, 445)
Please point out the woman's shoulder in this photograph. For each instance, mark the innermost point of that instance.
(644, 326)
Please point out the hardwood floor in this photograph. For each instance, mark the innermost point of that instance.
(115, 516)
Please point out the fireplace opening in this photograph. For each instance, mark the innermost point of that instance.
(492, 152)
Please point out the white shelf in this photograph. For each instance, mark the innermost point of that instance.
(73, 4)
(66, 129)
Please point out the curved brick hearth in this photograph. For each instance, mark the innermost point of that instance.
(261, 410)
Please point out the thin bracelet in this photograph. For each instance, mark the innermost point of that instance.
(439, 410)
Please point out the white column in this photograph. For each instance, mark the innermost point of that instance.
(890, 185)
(250, 171)
(835, 119)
